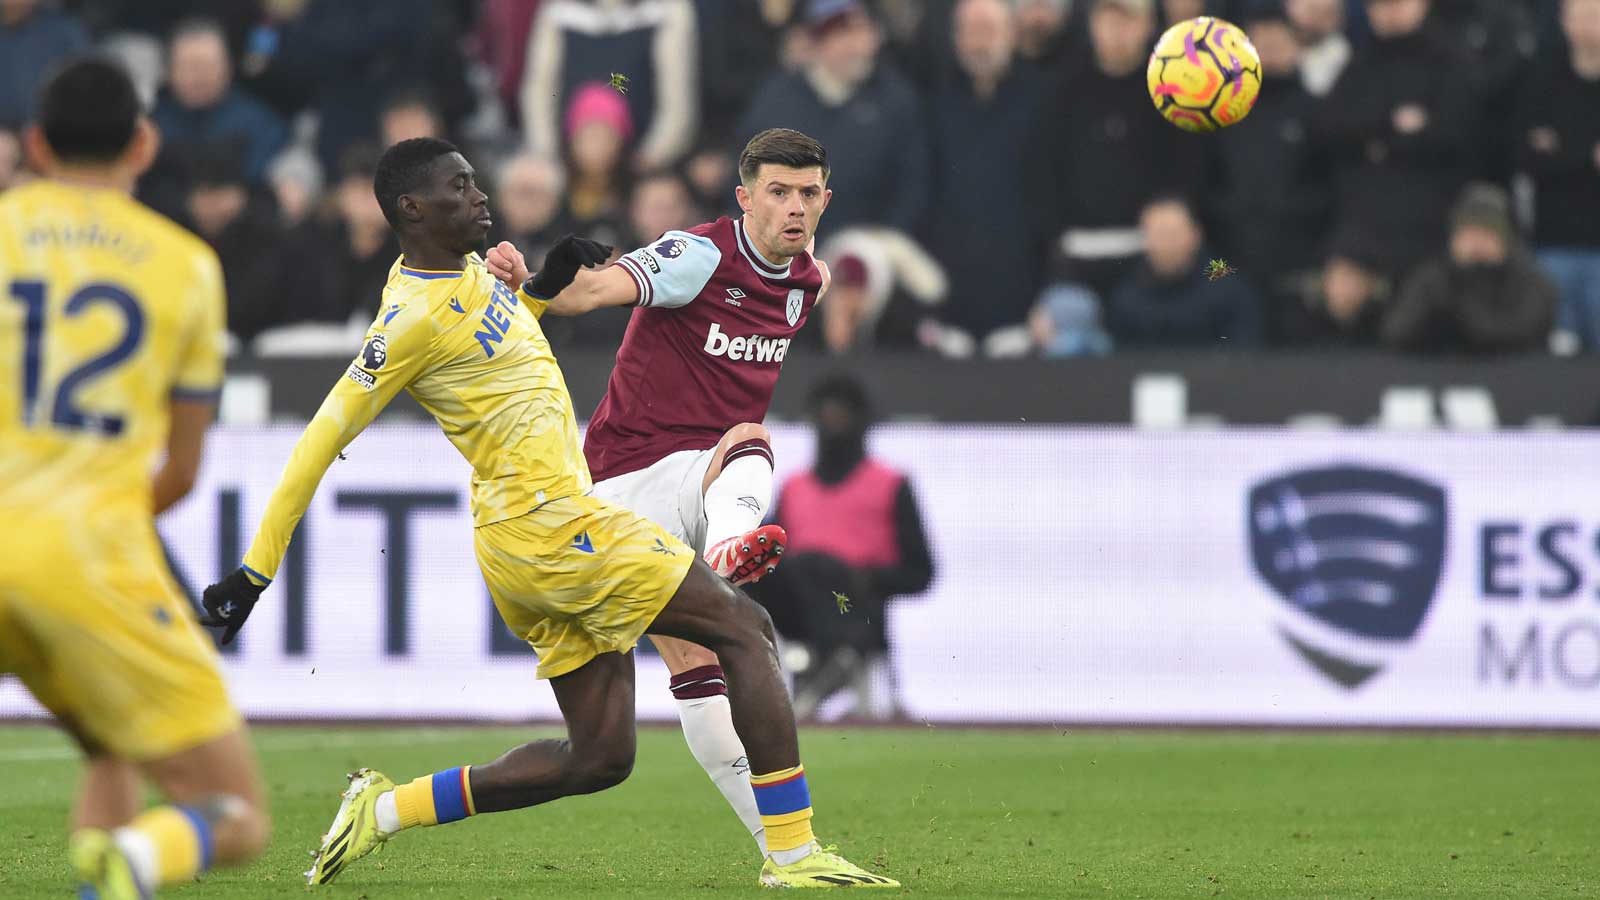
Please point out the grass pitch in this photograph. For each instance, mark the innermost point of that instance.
(951, 813)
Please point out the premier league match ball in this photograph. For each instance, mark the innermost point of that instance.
(1204, 74)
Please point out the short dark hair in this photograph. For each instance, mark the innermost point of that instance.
(88, 111)
(781, 147)
(403, 168)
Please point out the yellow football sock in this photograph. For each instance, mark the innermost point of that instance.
(436, 799)
(180, 839)
(785, 804)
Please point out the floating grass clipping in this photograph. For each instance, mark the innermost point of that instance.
(843, 601)
(1219, 268)
(619, 82)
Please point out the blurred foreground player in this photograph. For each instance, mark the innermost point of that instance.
(111, 347)
(579, 578)
(678, 437)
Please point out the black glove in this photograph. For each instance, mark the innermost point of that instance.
(562, 263)
(228, 603)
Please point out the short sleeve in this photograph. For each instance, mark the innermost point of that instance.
(674, 270)
(205, 344)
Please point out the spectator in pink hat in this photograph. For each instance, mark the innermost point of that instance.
(595, 136)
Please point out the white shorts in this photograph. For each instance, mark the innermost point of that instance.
(668, 493)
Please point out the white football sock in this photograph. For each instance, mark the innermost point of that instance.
(738, 499)
(140, 852)
(708, 729)
(387, 813)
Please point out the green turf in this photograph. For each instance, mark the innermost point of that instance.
(952, 813)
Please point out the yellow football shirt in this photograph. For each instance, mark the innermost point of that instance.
(470, 351)
(107, 311)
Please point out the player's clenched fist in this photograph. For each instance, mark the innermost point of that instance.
(229, 602)
(507, 264)
(562, 263)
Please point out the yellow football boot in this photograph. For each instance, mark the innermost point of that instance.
(822, 869)
(102, 866)
(354, 832)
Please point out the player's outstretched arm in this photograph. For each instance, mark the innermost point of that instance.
(392, 356)
(566, 284)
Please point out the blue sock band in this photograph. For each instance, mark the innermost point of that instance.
(202, 831)
(449, 795)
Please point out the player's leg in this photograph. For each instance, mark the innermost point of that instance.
(737, 491)
(215, 814)
(671, 493)
(734, 495)
(111, 647)
(709, 611)
(108, 794)
(700, 691)
(597, 701)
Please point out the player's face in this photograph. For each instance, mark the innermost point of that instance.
(454, 211)
(782, 206)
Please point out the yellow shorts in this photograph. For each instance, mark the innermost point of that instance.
(93, 623)
(578, 577)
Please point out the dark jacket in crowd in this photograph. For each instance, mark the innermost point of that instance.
(1398, 188)
(980, 230)
(1191, 311)
(1306, 323)
(1476, 309)
(1267, 205)
(738, 49)
(340, 283)
(27, 51)
(344, 58)
(1101, 157)
(250, 249)
(239, 125)
(876, 145)
(1566, 175)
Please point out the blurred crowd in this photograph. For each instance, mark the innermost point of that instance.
(1418, 174)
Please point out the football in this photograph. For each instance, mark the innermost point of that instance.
(1204, 74)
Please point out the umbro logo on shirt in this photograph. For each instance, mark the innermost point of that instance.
(734, 296)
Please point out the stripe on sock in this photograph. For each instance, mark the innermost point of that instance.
(704, 681)
(449, 796)
(780, 793)
(753, 447)
(202, 835)
(202, 832)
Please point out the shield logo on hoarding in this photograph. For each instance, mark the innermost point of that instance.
(1356, 549)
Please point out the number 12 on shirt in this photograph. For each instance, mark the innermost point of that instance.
(64, 410)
